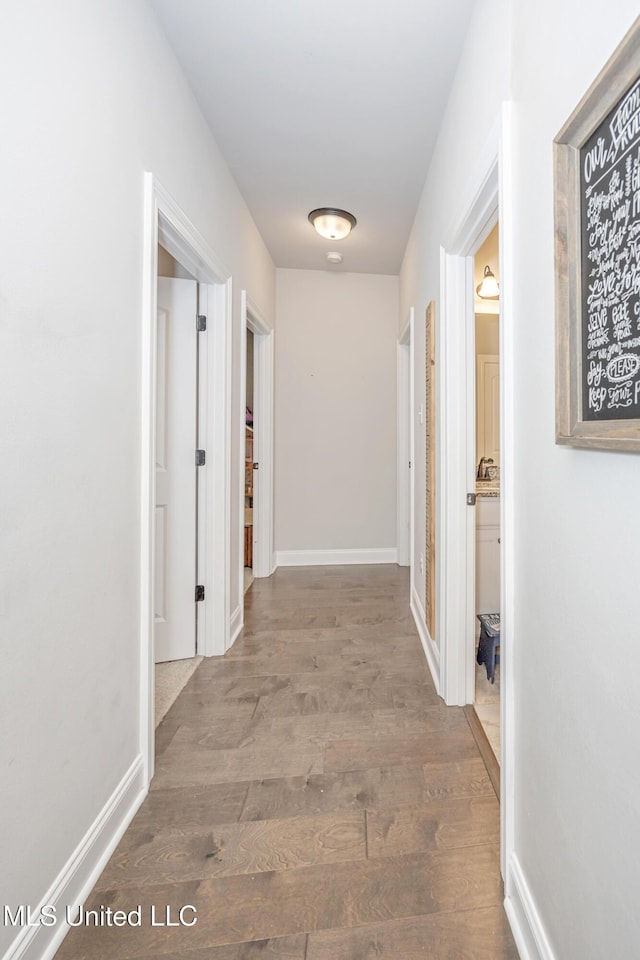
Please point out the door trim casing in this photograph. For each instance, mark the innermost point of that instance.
(165, 222)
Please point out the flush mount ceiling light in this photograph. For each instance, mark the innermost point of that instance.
(332, 224)
(334, 257)
(489, 288)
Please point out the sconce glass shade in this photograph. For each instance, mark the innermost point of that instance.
(332, 224)
(489, 289)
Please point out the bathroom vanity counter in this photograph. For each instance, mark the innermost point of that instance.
(487, 488)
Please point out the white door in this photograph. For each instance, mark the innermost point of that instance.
(175, 506)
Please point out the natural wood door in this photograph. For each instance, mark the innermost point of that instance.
(430, 470)
(175, 505)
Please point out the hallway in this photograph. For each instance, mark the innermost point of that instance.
(313, 796)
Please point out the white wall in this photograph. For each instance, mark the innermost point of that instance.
(96, 99)
(487, 255)
(487, 334)
(577, 551)
(469, 125)
(335, 411)
(574, 641)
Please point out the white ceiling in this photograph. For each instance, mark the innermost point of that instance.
(332, 103)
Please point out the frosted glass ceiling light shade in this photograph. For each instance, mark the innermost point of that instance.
(332, 224)
(489, 288)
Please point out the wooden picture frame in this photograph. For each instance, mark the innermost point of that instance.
(597, 260)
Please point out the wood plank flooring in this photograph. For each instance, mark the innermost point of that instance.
(313, 799)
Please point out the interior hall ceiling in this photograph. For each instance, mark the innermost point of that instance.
(334, 103)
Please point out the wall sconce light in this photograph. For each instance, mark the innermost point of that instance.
(489, 289)
(332, 224)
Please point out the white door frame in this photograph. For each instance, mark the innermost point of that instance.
(165, 222)
(405, 406)
(458, 410)
(493, 191)
(263, 421)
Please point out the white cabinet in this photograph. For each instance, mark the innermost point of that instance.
(488, 555)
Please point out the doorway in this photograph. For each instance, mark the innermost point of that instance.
(184, 541)
(255, 445)
(251, 466)
(176, 481)
(485, 711)
(491, 191)
(471, 520)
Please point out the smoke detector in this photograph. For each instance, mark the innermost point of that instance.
(334, 257)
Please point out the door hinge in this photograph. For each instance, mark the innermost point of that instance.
(256, 466)
(471, 499)
(201, 323)
(201, 458)
(199, 592)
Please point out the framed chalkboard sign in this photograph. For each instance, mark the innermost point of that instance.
(597, 256)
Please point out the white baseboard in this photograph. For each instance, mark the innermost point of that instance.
(235, 625)
(270, 568)
(79, 875)
(526, 924)
(318, 558)
(431, 651)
